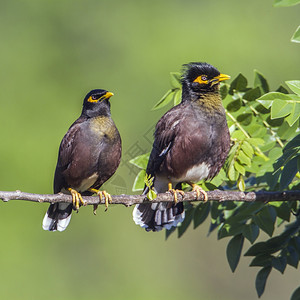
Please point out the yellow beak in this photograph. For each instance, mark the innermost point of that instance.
(107, 95)
(222, 77)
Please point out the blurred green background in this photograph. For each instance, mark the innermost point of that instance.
(52, 54)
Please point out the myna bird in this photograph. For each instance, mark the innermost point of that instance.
(89, 154)
(191, 143)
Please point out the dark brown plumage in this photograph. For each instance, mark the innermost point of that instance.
(89, 155)
(191, 143)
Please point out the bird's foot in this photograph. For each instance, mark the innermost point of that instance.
(199, 190)
(175, 192)
(95, 207)
(102, 194)
(76, 199)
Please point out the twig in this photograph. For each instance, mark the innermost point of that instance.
(128, 200)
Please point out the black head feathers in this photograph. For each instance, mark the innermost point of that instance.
(97, 95)
(200, 78)
(194, 70)
(96, 103)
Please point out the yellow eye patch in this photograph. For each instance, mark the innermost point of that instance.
(93, 99)
(201, 79)
(97, 98)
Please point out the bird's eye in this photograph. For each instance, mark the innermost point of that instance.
(95, 97)
(202, 79)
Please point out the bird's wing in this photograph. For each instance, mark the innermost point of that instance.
(66, 146)
(165, 133)
(65, 153)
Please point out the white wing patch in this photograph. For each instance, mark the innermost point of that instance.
(165, 150)
(174, 124)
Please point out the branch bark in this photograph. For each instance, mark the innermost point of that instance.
(128, 200)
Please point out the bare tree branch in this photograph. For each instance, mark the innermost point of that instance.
(128, 200)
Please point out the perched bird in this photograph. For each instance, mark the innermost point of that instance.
(89, 154)
(191, 143)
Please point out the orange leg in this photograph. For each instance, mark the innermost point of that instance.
(199, 190)
(101, 194)
(175, 192)
(76, 198)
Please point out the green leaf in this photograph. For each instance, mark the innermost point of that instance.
(274, 122)
(288, 173)
(241, 184)
(283, 210)
(257, 249)
(292, 257)
(216, 214)
(177, 97)
(256, 141)
(271, 246)
(170, 231)
(294, 115)
(252, 94)
(295, 241)
(232, 173)
(294, 85)
(239, 168)
(265, 102)
(268, 146)
(265, 219)
(262, 260)
(234, 250)
(139, 183)
(216, 210)
(261, 82)
(238, 135)
(247, 148)
(282, 90)
(296, 294)
(281, 3)
(175, 79)
(151, 195)
(234, 105)
(267, 99)
(140, 161)
(261, 280)
(296, 36)
(280, 108)
(251, 232)
(186, 222)
(292, 229)
(238, 84)
(257, 132)
(293, 144)
(244, 159)
(275, 153)
(245, 118)
(200, 213)
(224, 90)
(245, 211)
(285, 131)
(168, 97)
(279, 263)
(230, 230)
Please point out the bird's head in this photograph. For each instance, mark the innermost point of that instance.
(96, 103)
(201, 78)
